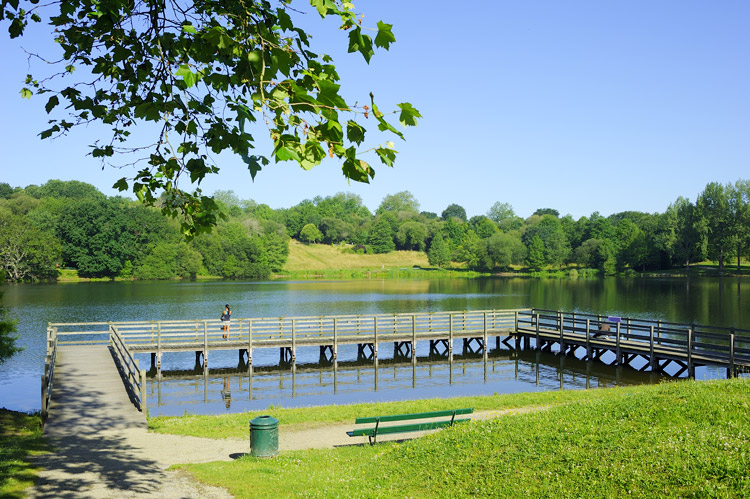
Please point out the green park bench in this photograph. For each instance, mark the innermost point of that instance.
(373, 431)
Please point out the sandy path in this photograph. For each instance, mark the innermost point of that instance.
(133, 463)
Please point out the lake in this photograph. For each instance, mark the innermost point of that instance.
(230, 386)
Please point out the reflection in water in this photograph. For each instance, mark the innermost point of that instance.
(501, 371)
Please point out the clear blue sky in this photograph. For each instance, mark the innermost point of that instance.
(580, 106)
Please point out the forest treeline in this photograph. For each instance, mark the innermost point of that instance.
(70, 224)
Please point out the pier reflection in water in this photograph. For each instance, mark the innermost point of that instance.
(244, 388)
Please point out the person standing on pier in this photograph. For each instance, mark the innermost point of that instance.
(225, 316)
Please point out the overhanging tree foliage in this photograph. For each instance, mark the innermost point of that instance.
(203, 72)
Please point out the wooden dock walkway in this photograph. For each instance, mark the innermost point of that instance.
(588, 337)
(89, 394)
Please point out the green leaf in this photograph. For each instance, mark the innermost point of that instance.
(382, 124)
(189, 28)
(121, 185)
(253, 163)
(355, 132)
(357, 170)
(48, 133)
(409, 114)
(385, 37)
(387, 156)
(360, 43)
(51, 103)
(323, 6)
(26, 93)
(217, 36)
(187, 75)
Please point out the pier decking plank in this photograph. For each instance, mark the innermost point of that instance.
(89, 395)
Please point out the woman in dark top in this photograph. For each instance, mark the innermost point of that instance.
(225, 316)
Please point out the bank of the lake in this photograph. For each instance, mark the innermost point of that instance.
(670, 440)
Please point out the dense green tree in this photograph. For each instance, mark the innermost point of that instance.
(690, 241)
(739, 208)
(401, 201)
(69, 189)
(633, 246)
(412, 236)
(198, 75)
(713, 206)
(8, 346)
(500, 212)
(335, 230)
(439, 254)
(6, 191)
(505, 249)
(380, 239)
(547, 211)
(550, 231)
(597, 254)
(454, 211)
(473, 251)
(483, 226)
(27, 253)
(277, 250)
(454, 232)
(535, 256)
(310, 234)
(99, 236)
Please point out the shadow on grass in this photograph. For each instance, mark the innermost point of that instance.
(20, 440)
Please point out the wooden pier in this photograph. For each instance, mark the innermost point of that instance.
(644, 345)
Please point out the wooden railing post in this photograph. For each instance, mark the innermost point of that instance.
(691, 368)
(335, 338)
(450, 337)
(294, 340)
(375, 337)
(588, 339)
(144, 391)
(484, 338)
(652, 355)
(731, 371)
(413, 338)
(561, 319)
(618, 352)
(250, 342)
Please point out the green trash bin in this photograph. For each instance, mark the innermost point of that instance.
(264, 436)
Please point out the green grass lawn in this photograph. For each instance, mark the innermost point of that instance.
(236, 425)
(680, 439)
(20, 439)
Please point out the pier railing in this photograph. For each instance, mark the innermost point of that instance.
(314, 330)
(695, 343)
(133, 377)
(48, 378)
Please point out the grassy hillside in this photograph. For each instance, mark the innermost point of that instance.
(325, 257)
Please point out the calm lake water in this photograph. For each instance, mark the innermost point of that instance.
(228, 386)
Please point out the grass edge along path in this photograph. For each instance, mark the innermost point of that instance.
(20, 439)
(675, 439)
(236, 425)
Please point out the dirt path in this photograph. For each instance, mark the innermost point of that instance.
(133, 463)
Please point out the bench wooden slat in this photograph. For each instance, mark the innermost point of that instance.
(419, 415)
(384, 430)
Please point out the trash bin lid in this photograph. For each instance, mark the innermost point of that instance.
(264, 421)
